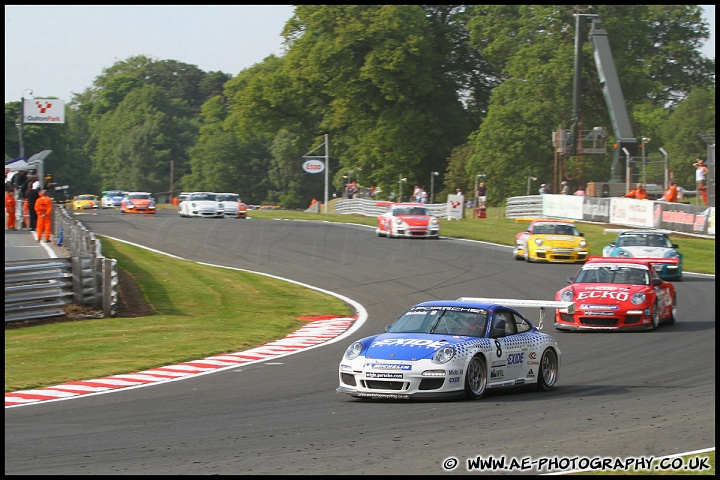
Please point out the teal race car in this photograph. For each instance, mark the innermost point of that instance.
(647, 244)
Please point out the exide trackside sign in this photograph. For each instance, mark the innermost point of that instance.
(43, 110)
(313, 166)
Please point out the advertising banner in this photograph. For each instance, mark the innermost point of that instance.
(455, 207)
(313, 166)
(43, 110)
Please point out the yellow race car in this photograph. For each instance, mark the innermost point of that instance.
(85, 202)
(551, 241)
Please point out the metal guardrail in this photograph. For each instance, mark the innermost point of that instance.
(37, 288)
(40, 288)
(373, 208)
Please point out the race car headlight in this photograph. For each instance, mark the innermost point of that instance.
(566, 296)
(398, 221)
(538, 242)
(434, 221)
(443, 355)
(353, 351)
(624, 253)
(583, 243)
(638, 298)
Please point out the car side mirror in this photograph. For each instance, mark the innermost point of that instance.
(612, 244)
(570, 279)
(656, 282)
(387, 327)
(581, 234)
(675, 246)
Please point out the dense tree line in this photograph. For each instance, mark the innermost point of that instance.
(400, 90)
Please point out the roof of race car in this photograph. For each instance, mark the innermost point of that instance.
(540, 220)
(646, 231)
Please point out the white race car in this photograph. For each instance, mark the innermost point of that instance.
(407, 220)
(201, 204)
(112, 198)
(446, 348)
(232, 205)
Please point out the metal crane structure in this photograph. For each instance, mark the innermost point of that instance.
(578, 142)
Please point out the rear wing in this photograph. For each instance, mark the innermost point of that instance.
(618, 230)
(673, 263)
(515, 303)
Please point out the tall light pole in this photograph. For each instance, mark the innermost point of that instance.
(432, 185)
(327, 165)
(645, 140)
(327, 169)
(400, 184)
(667, 171)
(530, 178)
(21, 124)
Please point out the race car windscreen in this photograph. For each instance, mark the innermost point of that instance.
(613, 274)
(442, 320)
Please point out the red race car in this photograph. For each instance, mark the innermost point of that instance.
(612, 293)
(407, 220)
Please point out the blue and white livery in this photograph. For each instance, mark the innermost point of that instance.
(447, 348)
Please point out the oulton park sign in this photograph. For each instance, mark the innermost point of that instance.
(43, 110)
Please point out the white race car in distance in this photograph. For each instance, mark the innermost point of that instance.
(201, 204)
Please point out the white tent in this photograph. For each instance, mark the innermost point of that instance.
(19, 164)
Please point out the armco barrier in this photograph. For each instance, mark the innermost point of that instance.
(39, 289)
(677, 217)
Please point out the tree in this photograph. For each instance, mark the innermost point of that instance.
(138, 140)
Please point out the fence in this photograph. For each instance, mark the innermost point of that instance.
(677, 217)
(40, 288)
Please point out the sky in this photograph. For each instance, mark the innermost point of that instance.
(59, 50)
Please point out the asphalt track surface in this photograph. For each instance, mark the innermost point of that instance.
(645, 394)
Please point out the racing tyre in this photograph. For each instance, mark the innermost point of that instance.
(673, 312)
(476, 378)
(655, 316)
(548, 370)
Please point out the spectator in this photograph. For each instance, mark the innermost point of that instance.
(565, 190)
(18, 182)
(548, 188)
(423, 196)
(481, 195)
(580, 192)
(10, 206)
(31, 198)
(639, 193)
(671, 194)
(43, 208)
(701, 172)
(541, 190)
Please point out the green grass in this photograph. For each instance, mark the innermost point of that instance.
(211, 311)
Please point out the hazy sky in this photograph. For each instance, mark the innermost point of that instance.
(59, 50)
